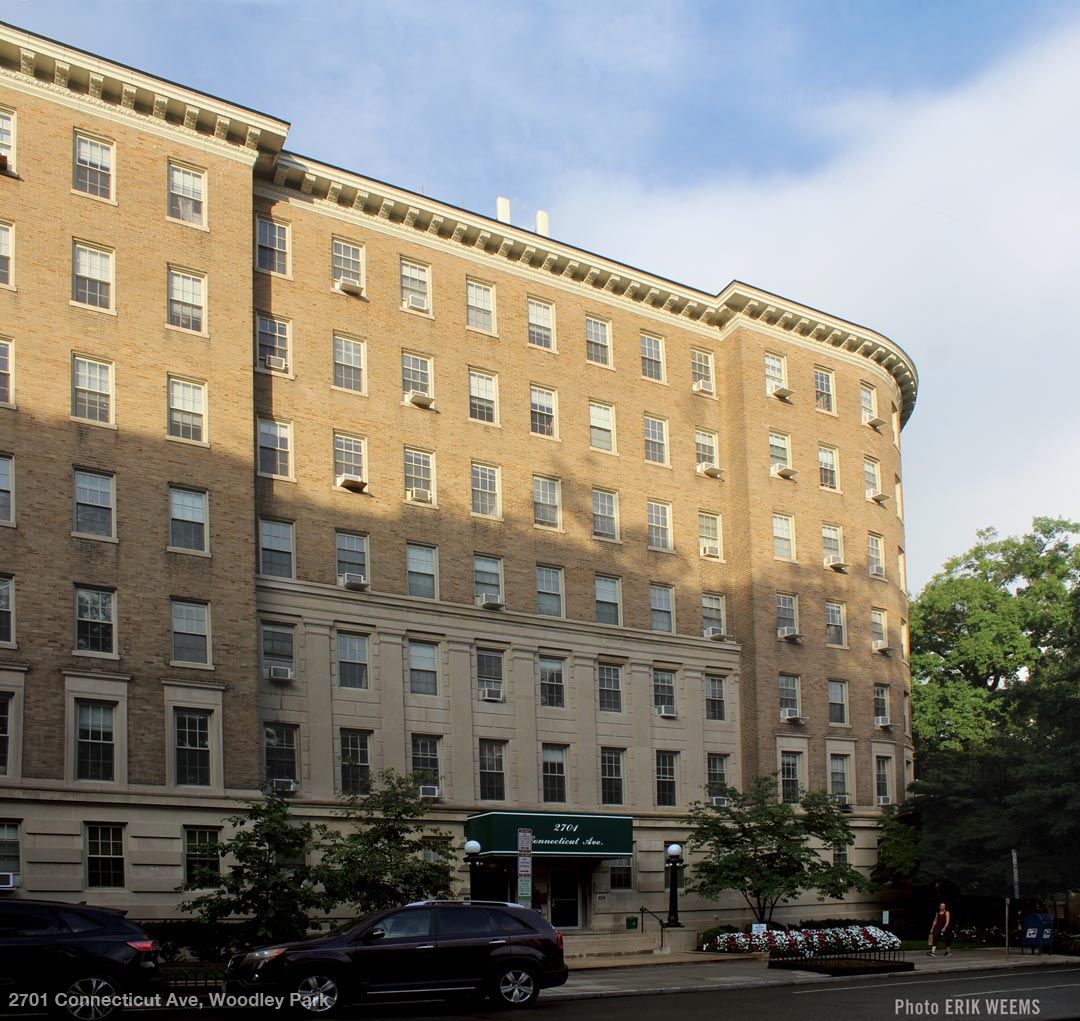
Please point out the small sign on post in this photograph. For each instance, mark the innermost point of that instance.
(758, 927)
(524, 867)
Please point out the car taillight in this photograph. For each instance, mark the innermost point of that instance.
(558, 939)
(145, 946)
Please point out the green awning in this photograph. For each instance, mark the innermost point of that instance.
(555, 834)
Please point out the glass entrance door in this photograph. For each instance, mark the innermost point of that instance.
(564, 898)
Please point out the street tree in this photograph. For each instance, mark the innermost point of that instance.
(769, 850)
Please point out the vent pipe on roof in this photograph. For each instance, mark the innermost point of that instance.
(502, 209)
(542, 226)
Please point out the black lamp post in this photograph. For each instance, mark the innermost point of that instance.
(674, 863)
(472, 859)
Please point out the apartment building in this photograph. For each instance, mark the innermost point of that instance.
(303, 475)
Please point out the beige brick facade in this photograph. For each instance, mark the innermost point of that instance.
(250, 252)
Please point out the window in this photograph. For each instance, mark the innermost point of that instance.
(875, 553)
(487, 577)
(872, 477)
(187, 410)
(608, 600)
(838, 702)
(190, 632)
(93, 172)
(549, 591)
(790, 780)
(419, 476)
(715, 705)
(605, 517)
(663, 690)
(275, 548)
(479, 306)
(7, 394)
(779, 450)
(275, 448)
(709, 535)
(838, 775)
(482, 397)
(280, 747)
(597, 341)
(187, 520)
(898, 491)
(787, 612)
(553, 759)
(91, 389)
(200, 854)
(5, 253)
(492, 777)
(882, 774)
(95, 621)
(415, 374)
(7, 636)
(601, 426)
(346, 263)
(423, 668)
(611, 776)
(187, 189)
(840, 854)
(95, 496)
(830, 477)
(352, 550)
(712, 614)
(272, 336)
(659, 519)
(835, 624)
(609, 687)
(705, 447)
(901, 568)
(879, 628)
(278, 649)
(104, 855)
(661, 605)
(547, 502)
(271, 246)
(665, 779)
(7, 150)
(355, 761)
(348, 456)
(655, 440)
(701, 371)
(489, 672)
(652, 357)
(881, 701)
(352, 656)
(349, 364)
(552, 688)
(541, 324)
(7, 506)
(783, 530)
(832, 542)
(414, 286)
(485, 490)
(5, 738)
(192, 730)
(95, 741)
(421, 562)
(775, 373)
(868, 403)
(542, 418)
(425, 758)
(823, 390)
(91, 276)
(789, 692)
(187, 297)
(716, 772)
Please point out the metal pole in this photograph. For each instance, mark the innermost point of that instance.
(674, 862)
(1006, 928)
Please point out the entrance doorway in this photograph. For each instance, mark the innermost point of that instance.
(564, 897)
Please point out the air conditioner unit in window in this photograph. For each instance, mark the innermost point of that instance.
(7, 880)
(877, 571)
(355, 582)
(710, 470)
(883, 799)
(836, 562)
(883, 647)
(282, 785)
(718, 801)
(783, 471)
(789, 634)
(417, 303)
(882, 721)
(491, 695)
(782, 393)
(717, 634)
(712, 552)
(349, 285)
(279, 672)
(791, 715)
(429, 790)
(419, 400)
(418, 495)
(487, 601)
(353, 483)
(276, 363)
(702, 386)
(842, 799)
(872, 420)
(878, 497)
(666, 712)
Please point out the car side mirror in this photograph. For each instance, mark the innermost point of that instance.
(374, 934)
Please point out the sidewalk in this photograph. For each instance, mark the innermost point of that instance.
(652, 974)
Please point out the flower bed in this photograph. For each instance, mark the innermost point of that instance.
(808, 941)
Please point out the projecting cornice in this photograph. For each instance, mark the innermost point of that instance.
(59, 69)
(353, 195)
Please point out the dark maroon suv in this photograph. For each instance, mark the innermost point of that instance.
(431, 948)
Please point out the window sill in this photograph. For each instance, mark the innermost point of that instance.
(187, 223)
(553, 350)
(273, 272)
(661, 549)
(831, 489)
(8, 523)
(276, 478)
(275, 577)
(182, 665)
(616, 541)
(483, 333)
(9, 406)
(659, 464)
(601, 450)
(600, 365)
(831, 414)
(845, 647)
(114, 656)
(92, 308)
(348, 390)
(545, 436)
(556, 529)
(94, 538)
(713, 560)
(481, 421)
(416, 312)
(362, 296)
(188, 552)
(173, 328)
(434, 505)
(9, 645)
(187, 442)
(94, 198)
(9, 287)
(90, 421)
(653, 379)
(498, 518)
(282, 374)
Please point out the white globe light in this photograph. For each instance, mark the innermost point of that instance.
(472, 846)
(674, 850)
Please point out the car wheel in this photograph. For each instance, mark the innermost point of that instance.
(317, 994)
(87, 997)
(514, 985)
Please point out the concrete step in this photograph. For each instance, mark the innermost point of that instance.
(609, 944)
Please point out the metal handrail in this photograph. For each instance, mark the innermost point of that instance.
(663, 925)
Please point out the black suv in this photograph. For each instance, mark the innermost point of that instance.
(73, 959)
(429, 948)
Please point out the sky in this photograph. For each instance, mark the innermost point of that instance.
(909, 166)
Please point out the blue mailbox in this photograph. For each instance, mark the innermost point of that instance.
(1038, 932)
